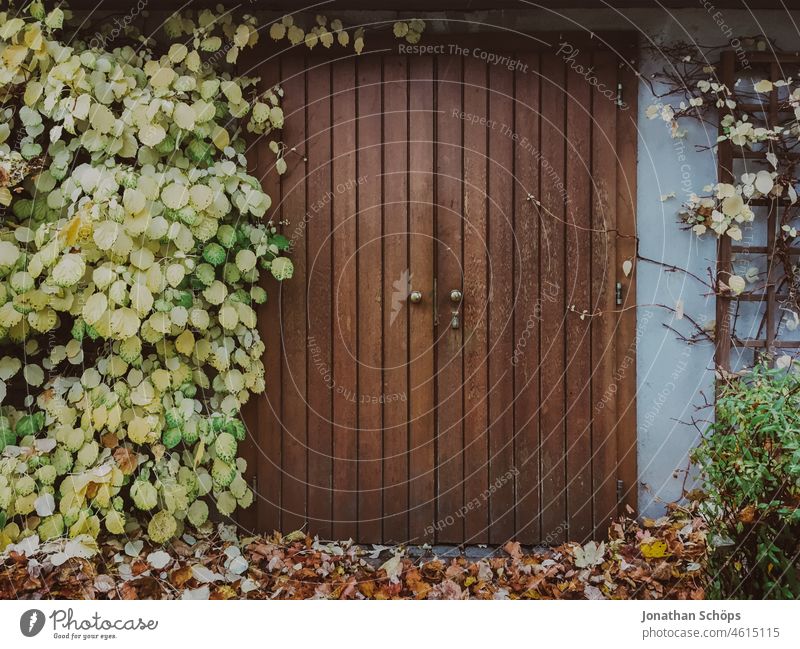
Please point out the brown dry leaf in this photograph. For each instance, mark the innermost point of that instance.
(126, 459)
(748, 514)
(179, 577)
(109, 440)
(513, 549)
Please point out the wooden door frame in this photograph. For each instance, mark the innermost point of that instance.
(621, 403)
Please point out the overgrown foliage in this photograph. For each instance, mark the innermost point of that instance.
(750, 456)
(750, 461)
(688, 89)
(132, 245)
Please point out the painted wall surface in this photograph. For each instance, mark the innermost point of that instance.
(675, 379)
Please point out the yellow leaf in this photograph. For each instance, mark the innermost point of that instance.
(655, 549)
(277, 31)
(185, 343)
(242, 35)
(220, 137)
(71, 230)
(198, 453)
(14, 55)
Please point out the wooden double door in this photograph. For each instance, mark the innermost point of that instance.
(430, 375)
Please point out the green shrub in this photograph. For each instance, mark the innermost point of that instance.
(750, 467)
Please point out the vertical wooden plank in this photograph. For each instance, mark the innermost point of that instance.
(370, 301)
(723, 332)
(500, 188)
(294, 407)
(627, 135)
(773, 271)
(318, 254)
(552, 270)
(578, 290)
(450, 487)
(396, 282)
(476, 303)
(604, 208)
(345, 283)
(267, 461)
(527, 307)
(421, 328)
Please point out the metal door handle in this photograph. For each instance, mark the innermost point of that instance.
(455, 297)
(415, 297)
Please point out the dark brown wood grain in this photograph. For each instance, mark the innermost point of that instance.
(604, 277)
(345, 316)
(319, 305)
(578, 292)
(500, 190)
(553, 299)
(294, 407)
(625, 366)
(371, 300)
(476, 309)
(527, 305)
(449, 376)
(396, 313)
(722, 356)
(422, 426)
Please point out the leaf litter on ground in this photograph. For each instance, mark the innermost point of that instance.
(652, 559)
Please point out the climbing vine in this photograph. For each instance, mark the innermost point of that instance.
(132, 246)
(746, 458)
(693, 91)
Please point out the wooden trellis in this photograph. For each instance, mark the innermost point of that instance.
(727, 306)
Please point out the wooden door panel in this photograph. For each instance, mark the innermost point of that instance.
(421, 361)
(371, 302)
(529, 302)
(604, 217)
(552, 270)
(397, 282)
(294, 301)
(449, 273)
(500, 304)
(433, 174)
(345, 314)
(475, 310)
(578, 291)
(319, 307)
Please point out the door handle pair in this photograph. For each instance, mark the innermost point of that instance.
(456, 297)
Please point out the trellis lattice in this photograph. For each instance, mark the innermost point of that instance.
(775, 291)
